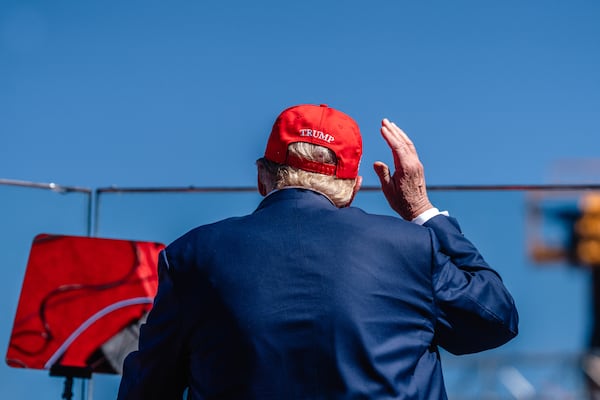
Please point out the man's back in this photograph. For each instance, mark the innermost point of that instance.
(313, 302)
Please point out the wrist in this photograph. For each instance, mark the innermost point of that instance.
(427, 215)
(414, 210)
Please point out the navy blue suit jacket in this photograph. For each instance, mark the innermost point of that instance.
(302, 300)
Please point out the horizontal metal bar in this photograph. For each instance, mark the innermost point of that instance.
(175, 189)
(47, 186)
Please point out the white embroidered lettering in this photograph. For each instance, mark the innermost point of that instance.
(317, 134)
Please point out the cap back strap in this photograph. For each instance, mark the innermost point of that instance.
(310, 166)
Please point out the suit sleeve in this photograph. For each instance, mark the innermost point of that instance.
(475, 310)
(154, 371)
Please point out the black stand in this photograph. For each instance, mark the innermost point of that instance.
(69, 373)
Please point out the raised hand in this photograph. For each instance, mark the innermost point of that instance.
(405, 190)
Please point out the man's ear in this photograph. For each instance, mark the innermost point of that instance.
(262, 188)
(355, 190)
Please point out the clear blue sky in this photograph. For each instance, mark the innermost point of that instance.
(154, 93)
(149, 93)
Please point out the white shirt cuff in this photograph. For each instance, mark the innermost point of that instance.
(427, 215)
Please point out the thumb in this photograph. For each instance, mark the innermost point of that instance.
(383, 172)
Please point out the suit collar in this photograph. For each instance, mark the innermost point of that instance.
(302, 195)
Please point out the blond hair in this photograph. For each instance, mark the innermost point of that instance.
(277, 176)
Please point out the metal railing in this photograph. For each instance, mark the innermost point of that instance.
(57, 189)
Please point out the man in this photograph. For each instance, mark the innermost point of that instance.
(308, 298)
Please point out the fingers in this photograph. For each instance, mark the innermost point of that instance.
(394, 135)
(402, 147)
(388, 134)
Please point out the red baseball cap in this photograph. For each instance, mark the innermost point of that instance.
(320, 125)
